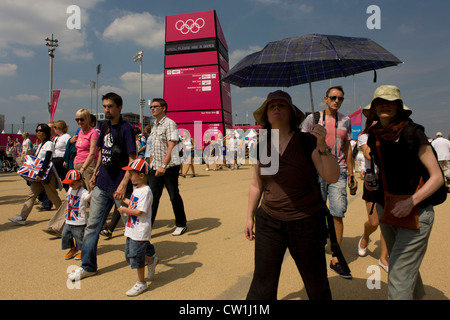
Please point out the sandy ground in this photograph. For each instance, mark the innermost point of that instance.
(211, 261)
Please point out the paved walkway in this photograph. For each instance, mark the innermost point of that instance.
(211, 261)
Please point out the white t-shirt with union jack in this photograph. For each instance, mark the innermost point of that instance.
(76, 206)
(139, 228)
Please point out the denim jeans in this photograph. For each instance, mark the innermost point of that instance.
(337, 194)
(101, 204)
(170, 181)
(72, 236)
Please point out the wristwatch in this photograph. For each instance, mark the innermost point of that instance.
(326, 152)
(163, 166)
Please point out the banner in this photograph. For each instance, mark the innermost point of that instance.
(54, 102)
(355, 119)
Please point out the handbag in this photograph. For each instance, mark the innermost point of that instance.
(411, 221)
(31, 167)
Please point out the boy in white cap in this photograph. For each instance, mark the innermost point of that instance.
(138, 250)
(77, 198)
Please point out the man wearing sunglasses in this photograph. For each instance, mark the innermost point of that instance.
(339, 135)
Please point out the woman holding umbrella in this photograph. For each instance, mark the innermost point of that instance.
(403, 154)
(291, 212)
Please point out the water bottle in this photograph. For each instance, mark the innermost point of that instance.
(371, 180)
(352, 186)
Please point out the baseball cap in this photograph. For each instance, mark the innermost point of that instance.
(139, 165)
(72, 175)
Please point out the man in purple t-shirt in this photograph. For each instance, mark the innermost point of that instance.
(110, 183)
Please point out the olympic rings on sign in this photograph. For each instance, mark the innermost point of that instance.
(190, 25)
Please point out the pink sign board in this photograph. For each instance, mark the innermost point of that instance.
(196, 88)
(192, 116)
(190, 26)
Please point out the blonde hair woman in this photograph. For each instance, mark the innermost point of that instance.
(86, 145)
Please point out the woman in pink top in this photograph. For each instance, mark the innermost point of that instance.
(86, 145)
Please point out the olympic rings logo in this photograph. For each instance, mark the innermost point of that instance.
(190, 25)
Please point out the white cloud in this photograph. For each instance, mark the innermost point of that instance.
(238, 54)
(254, 102)
(26, 98)
(305, 8)
(152, 83)
(29, 22)
(142, 28)
(7, 69)
(23, 53)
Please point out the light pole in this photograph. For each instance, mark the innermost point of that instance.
(138, 57)
(92, 87)
(52, 43)
(99, 69)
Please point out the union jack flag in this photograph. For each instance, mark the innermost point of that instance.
(73, 208)
(31, 167)
(132, 220)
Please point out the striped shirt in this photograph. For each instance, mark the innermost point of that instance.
(162, 132)
(336, 135)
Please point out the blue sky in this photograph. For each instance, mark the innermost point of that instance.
(112, 31)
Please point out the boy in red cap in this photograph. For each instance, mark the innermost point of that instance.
(139, 226)
(77, 198)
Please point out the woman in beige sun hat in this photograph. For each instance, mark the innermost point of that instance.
(290, 215)
(403, 154)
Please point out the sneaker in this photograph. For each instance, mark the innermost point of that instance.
(78, 256)
(80, 274)
(137, 289)
(72, 253)
(179, 231)
(338, 269)
(18, 219)
(361, 252)
(151, 267)
(106, 233)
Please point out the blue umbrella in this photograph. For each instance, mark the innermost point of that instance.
(309, 58)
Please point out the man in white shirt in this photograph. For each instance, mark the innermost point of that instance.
(442, 147)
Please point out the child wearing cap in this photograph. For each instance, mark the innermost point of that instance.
(139, 226)
(77, 198)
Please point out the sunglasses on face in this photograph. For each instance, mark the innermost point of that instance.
(39, 130)
(336, 97)
(79, 119)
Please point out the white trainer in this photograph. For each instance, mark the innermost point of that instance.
(137, 289)
(151, 267)
(18, 219)
(179, 231)
(79, 274)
